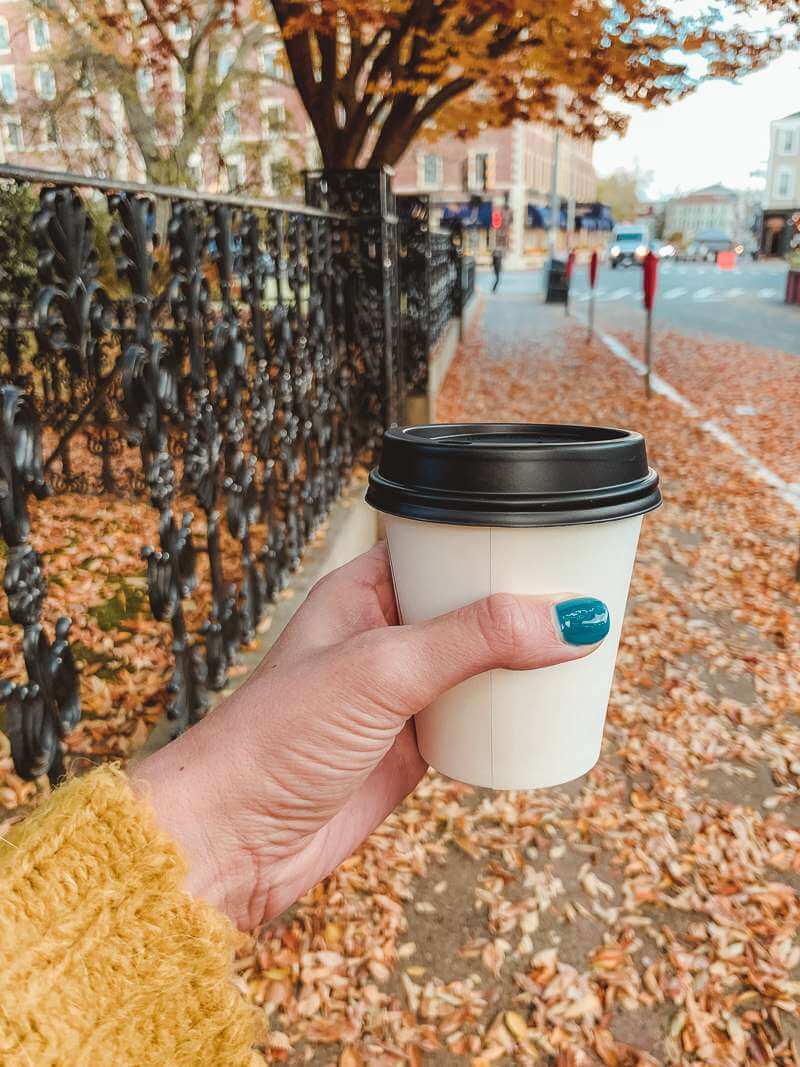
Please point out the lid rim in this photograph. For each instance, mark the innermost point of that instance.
(510, 474)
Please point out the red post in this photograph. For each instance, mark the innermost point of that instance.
(593, 265)
(570, 269)
(650, 283)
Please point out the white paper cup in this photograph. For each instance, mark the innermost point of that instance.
(514, 729)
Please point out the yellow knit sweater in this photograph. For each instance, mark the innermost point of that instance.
(104, 959)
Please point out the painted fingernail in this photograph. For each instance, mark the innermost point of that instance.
(584, 620)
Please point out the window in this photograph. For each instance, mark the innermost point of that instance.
(234, 170)
(48, 130)
(195, 164)
(12, 133)
(86, 83)
(431, 171)
(784, 184)
(38, 34)
(45, 81)
(788, 142)
(272, 61)
(225, 61)
(274, 112)
(144, 82)
(480, 171)
(92, 134)
(8, 85)
(230, 123)
(5, 38)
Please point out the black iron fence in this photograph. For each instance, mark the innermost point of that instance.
(229, 361)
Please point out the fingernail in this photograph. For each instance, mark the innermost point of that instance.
(584, 620)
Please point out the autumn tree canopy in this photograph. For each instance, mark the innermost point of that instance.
(375, 74)
(168, 68)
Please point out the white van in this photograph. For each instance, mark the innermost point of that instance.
(629, 245)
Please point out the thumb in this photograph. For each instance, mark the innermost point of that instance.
(410, 666)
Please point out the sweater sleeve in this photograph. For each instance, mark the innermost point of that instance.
(104, 958)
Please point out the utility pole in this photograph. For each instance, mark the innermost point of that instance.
(555, 200)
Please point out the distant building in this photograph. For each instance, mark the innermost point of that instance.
(782, 201)
(509, 167)
(713, 208)
(254, 141)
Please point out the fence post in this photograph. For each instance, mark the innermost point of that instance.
(373, 294)
(458, 257)
(415, 255)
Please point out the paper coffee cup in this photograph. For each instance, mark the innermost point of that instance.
(475, 509)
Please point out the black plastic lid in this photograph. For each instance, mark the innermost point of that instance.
(513, 474)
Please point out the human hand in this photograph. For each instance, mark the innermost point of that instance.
(282, 781)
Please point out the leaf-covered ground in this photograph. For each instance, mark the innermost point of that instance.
(647, 914)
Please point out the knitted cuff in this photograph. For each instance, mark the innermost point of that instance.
(103, 957)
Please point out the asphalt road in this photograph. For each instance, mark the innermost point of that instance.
(745, 304)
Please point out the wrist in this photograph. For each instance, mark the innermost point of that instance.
(182, 787)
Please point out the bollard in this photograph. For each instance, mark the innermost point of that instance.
(593, 263)
(650, 284)
(570, 269)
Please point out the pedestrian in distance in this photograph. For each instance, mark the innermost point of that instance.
(497, 267)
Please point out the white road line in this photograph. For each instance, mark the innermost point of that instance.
(673, 294)
(703, 294)
(787, 492)
(618, 294)
(733, 294)
(766, 294)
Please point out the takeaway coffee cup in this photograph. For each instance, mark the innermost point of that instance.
(474, 509)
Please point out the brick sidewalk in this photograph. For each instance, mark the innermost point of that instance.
(647, 914)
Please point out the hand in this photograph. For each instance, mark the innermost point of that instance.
(282, 781)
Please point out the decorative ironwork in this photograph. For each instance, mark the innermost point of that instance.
(232, 378)
(433, 274)
(41, 712)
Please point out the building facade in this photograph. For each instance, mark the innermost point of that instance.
(508, 168)
(782, 200)
(714, 208)
(258, 140)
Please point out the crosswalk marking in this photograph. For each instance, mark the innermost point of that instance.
(703, 294)
(766, 294)
(618, 294)
(733, 294)
(673, 294)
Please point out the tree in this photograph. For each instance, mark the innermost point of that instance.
(621, 191)
(375, 75)
(157, 73)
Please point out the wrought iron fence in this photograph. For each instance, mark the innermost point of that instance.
(436, 282)
(226, 360)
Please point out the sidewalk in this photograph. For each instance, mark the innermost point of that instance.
(649, 913)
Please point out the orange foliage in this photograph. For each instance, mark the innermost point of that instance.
(374, 75)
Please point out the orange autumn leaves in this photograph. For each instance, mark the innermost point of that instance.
(373, 76)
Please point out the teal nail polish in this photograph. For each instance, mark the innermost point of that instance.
(584, 620)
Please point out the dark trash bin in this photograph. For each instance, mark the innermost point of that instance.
(557, 282)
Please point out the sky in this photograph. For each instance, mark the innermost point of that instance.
(719, 134)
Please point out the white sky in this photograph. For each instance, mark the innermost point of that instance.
(720, 133)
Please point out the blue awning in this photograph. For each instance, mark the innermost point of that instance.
(469, 215)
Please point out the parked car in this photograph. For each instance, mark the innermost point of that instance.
(629, 246)
(663, 249)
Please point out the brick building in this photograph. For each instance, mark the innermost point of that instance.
(260, 140)
(510, 166)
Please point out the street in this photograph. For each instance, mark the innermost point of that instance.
(744, 304)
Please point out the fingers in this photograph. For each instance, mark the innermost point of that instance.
(409, 666)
